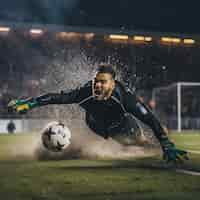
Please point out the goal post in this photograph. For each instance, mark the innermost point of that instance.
(184, 100)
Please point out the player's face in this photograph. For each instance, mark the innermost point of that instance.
(103, 86)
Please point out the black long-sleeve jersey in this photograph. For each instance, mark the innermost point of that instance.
(106, 113)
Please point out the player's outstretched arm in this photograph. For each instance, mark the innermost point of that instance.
(73, 96)
(21, 106)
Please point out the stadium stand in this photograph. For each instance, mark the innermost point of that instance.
(27, 63)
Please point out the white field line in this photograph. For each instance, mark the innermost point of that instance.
(193, 151)
(189, 172)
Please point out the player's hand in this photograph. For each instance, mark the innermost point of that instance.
(19, 106)
(171, 153)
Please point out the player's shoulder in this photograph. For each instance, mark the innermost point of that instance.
(120, 87)
(121, 91)
(83, 88)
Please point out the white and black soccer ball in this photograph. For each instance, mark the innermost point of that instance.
(56, 136)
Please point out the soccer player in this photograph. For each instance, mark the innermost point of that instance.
(110, 108)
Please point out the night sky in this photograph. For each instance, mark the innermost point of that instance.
(156, 15)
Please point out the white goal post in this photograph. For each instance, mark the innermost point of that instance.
(177, 95)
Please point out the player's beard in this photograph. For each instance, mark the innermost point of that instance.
(102, 94)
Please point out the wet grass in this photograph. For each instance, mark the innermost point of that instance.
(145, 178)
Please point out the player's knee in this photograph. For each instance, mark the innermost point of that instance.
(153, 122)
(130, 122)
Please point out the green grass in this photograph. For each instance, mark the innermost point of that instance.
(145, 178)
(189, 140)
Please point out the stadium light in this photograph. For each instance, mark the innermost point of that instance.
(4, 29)
(188, 41)
(139, 38)
(148, 39)
(61, 35)
(73, 36)
(165, 39)
(89, 36)
(118, 37)
(176, 40)
(36, 31)
(170, 40)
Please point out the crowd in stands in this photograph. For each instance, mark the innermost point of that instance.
(28, 64)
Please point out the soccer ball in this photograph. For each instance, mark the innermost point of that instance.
(56, 136)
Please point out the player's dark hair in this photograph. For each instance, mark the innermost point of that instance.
(106, 68)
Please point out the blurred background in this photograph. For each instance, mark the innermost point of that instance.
(53, 45)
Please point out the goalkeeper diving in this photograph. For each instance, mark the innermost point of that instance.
(110, 107)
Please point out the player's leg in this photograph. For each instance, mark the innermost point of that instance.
(133, 128)
(170, 152)
(128, 131)
(143, 113)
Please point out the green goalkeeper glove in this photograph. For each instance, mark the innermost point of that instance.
(22, 106)
(171, 153)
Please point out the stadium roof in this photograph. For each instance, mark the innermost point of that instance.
(157, 15)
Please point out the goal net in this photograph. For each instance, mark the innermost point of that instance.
(178, 105)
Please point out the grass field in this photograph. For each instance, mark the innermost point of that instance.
(144, 178)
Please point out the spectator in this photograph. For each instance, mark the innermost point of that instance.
(11, 127)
